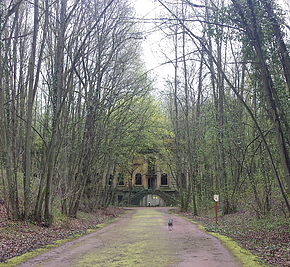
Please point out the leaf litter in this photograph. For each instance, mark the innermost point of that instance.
(20, 237)
(268, 238)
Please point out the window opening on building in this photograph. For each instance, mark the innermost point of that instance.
(163, 179)
(120, 179)
(138, 179)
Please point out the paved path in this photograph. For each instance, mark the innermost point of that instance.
(141, 238)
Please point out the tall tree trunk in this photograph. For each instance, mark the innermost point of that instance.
(190, 148)
(285, 59)
(197, 127)
(31, 94)
(176, 124)
(56, 95)
(5, 113)
(251, 31)
(218, 94)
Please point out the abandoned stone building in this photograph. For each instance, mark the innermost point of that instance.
(149, 184)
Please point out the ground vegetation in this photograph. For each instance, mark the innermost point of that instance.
(19, 237)
(267, 238)
(77, 106)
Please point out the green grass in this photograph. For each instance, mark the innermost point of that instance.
(244, 256)
(29, 255)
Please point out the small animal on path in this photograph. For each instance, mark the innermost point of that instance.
(170, 224)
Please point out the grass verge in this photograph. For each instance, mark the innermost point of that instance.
(243, 256)
(30, 255)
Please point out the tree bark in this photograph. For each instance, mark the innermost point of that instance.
(252, 33)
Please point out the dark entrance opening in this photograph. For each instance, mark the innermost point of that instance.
(151, 183)
(120, 198)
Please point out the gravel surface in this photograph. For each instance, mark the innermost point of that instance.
(141, 238)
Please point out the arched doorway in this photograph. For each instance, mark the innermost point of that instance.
(154, 200)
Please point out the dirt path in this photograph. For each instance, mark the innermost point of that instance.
(141, 238)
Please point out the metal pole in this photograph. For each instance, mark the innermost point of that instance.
(216, 212)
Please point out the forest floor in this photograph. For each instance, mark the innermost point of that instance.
(141, 238)
(19, 237)
(268, 239)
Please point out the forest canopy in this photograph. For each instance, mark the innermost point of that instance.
(76, 101)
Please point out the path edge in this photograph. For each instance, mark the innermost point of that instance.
(243, 256)
(55, 244)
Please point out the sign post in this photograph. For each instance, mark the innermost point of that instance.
(216, 199)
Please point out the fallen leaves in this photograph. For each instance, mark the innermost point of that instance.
(269, 238)
(17, 238)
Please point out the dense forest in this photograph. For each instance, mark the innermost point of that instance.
(76, 101)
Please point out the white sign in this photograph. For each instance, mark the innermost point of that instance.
(216, 198)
